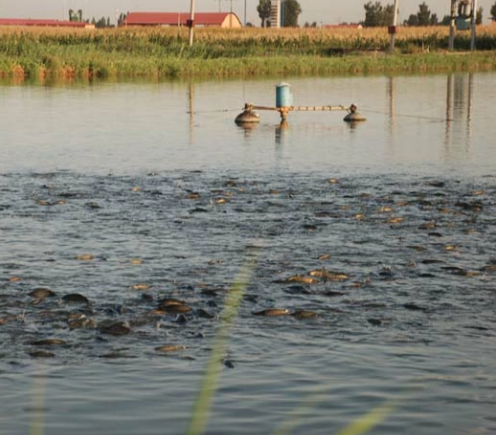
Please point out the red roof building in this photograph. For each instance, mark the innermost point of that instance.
(224, 19)
(44, 23)
(343, 26)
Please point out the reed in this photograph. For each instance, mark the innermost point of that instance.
(38, 53)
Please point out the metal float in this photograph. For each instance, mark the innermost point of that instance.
(284, 105)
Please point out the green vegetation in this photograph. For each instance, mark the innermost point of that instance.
(292, 11)
(263, 10)
(377, 15)
(423, 17)
(164, 53)
(204, 400)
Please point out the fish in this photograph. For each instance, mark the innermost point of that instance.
(170, 348)
(395, 220)
(42, 293)
(48, 342)
(385, 209)
(304, 314)
(75, 298)
(140, 287)
(173, 309)
(117, 328)
(302, 279)
(168, 302)
(272, 312)
(193, 195)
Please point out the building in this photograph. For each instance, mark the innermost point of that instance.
(44, 23)
(343, 26)
(275, 14)
(204, 19)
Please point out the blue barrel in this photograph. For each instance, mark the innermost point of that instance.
(283, 95)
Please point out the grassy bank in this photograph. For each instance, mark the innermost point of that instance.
(162, 53)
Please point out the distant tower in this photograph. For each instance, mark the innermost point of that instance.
(275, 14)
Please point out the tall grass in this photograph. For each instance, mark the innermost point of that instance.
(162, 53)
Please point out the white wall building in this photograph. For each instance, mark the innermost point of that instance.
(275, 14)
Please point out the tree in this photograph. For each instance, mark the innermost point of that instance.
(377, 15)
(412, 20)
(479, 15)
(122, 18)
(387, 15)
(493, 11)
(307, 25)
(102, 23)
(424, 15)
(292, 10)
(263, 10)
(373, 14)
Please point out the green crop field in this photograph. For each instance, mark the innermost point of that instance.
(160, 53)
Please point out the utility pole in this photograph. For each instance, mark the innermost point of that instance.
(245, 13)
(474, 25)
(191, 22)
(451, 45)
(392, 28)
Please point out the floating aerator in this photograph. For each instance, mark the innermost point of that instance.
(248, 116)
(354, 116)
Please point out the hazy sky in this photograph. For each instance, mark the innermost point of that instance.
(321, 11)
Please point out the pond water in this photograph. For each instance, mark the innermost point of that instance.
(119, 197)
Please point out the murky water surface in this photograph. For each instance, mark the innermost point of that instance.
(124, 221)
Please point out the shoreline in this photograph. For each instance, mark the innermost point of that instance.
(42, 55)
(251, 67)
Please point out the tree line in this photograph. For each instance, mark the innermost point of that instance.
(377, 15)
(99, 23)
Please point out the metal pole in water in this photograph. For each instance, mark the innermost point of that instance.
(191, 22)
(474, 25)
(395, 23)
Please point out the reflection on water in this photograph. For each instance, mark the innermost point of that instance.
(248, 128)
(459, 103)
(414, 124)
(132, 194)
(282, 131)
(191, 111)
